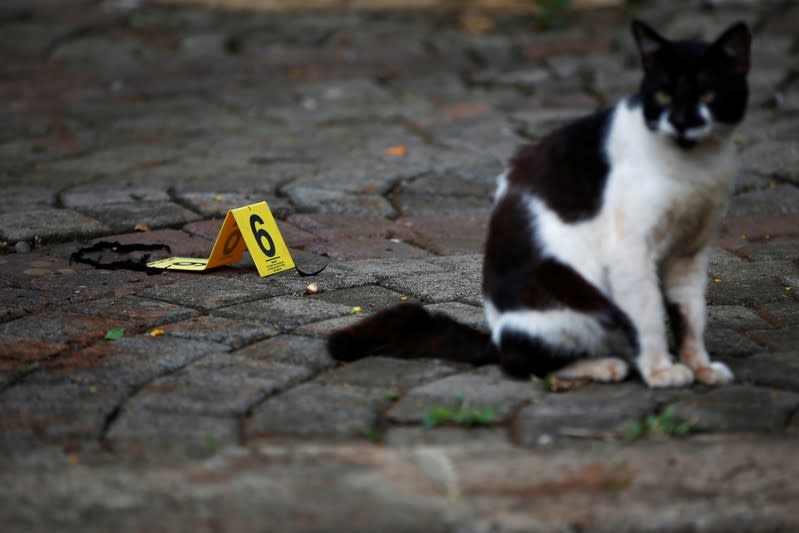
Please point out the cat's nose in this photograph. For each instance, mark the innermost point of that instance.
(683, 119)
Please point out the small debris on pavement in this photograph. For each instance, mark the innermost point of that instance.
(312, 288)
(397, 151)
(114, 334)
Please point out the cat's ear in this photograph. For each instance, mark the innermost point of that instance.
(735, 43)
(649, 42)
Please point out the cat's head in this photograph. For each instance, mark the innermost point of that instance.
(692, 89)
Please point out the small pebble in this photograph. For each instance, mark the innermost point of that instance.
(312, 288)
(22, 247)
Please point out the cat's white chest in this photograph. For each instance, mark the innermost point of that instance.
(662, 197)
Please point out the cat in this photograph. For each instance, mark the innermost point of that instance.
(601, 228)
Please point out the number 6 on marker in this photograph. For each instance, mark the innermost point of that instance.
(261, 235)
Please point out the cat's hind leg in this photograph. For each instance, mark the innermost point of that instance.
(603, 369)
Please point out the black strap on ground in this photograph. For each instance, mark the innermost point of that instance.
(139, 265)
(304, 274)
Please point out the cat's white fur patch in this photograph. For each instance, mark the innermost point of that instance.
(561, 327)
(604, 369)
(502, 186)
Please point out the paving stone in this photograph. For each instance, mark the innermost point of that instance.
(215, 204)
(49, 224)
(459, 262)
(18, 302)
(455, 437)
(485, 135)
(537, 123)
(312, 198)
(777, 370)
(116, 160)
(597, 410)
(130, 362)
(284, 312)
(132, 310)
(56, 327)
(50, 272)
(270, 484)
(211, 292)
(20, 355)
(447, 235)
(366, 248)
(63, 412)
(733, 317)
(22, 198)
(230, 332)
(291, 350)
(438, 287)
(220, 384)
(124, 217)
(784, 313)
(388, 374)
(324, 328)
(147, 431)
(386, 268)
(483, 388)
(773, 160)
(783, 199)
(334, 227)
(770, 251)
(729, 342)
(369, 298)
(414, 204)
(739, 233)
(91, 196)
(776, 339)
(749, 284)
(334, 277)
(738, 408)
(463, 313)
(317, 410)
(721, 260)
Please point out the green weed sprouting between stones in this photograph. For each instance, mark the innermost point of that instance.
(551, 12)
(391, 395)
(370, 435)
(662, 424)
(461, 415)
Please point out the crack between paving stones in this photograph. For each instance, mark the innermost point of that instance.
(114, 413)
(244, 419)
(419, 132)
(172, 194)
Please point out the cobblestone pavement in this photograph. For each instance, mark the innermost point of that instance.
(375, 138)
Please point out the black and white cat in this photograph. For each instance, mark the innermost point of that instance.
(602, 226)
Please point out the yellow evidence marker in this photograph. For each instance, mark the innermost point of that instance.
(251, 227)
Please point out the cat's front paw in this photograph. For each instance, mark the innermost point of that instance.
(715, 373)
(675, 375)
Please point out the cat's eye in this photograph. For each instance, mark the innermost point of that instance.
(662, 98)
(708, 97)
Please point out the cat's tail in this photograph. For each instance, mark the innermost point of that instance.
(409, 331)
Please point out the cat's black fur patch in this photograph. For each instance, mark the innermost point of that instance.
(568, 168)
(410, 331)
(521, 355)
